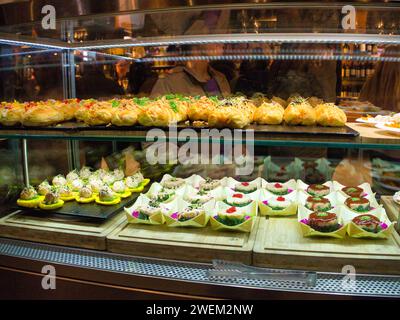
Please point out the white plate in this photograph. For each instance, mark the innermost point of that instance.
(383, 126)
(370, 122)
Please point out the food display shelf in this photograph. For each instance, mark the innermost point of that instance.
(176, 277)
(366, 140)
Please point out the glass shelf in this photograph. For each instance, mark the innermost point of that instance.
(260, 139)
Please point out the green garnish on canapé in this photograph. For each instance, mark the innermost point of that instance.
(173, 106)
(322, 214)
(115, 103)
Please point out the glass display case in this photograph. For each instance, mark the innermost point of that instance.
(202, 149)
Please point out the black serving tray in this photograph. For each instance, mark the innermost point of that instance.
(75, 210)
(258, 129)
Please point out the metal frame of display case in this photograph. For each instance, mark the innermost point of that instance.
(163, 278)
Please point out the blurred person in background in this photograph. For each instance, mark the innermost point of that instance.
(196, 77)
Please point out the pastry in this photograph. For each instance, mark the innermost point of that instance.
(51, 201)
(95, 113)
(353, 191)
(245, 187)
(109, 178)
(41, 115)
(11, 113)
(232, 113)
(314, 101)
(318, 190)
(29, 198)
(282, 102)
(200, 108)
(358, 204)
(299, 112)
(368, 223)
(329, 115)
(158, 113)
(318, 204)
(238, 200)
(323, 221)
(269, 113)
(125, 113)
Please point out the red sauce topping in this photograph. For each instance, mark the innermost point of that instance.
(231, 210)
(280, 199)
(277, 185)
(237, 195)
(245, 184)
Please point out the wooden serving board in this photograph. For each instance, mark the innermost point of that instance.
(192, 244)
(75, 233)
(391, 207)
(374, 135)
(280, 244)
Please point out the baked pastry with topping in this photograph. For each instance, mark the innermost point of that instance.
(318, 190)
(318, 204)
(125, 113)
(201, 107)
(41, 114)
(11, 113)
(329, 115)
(269, 113)
(323, 221)
(355, 192)
(358, 204)
(299, 112)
